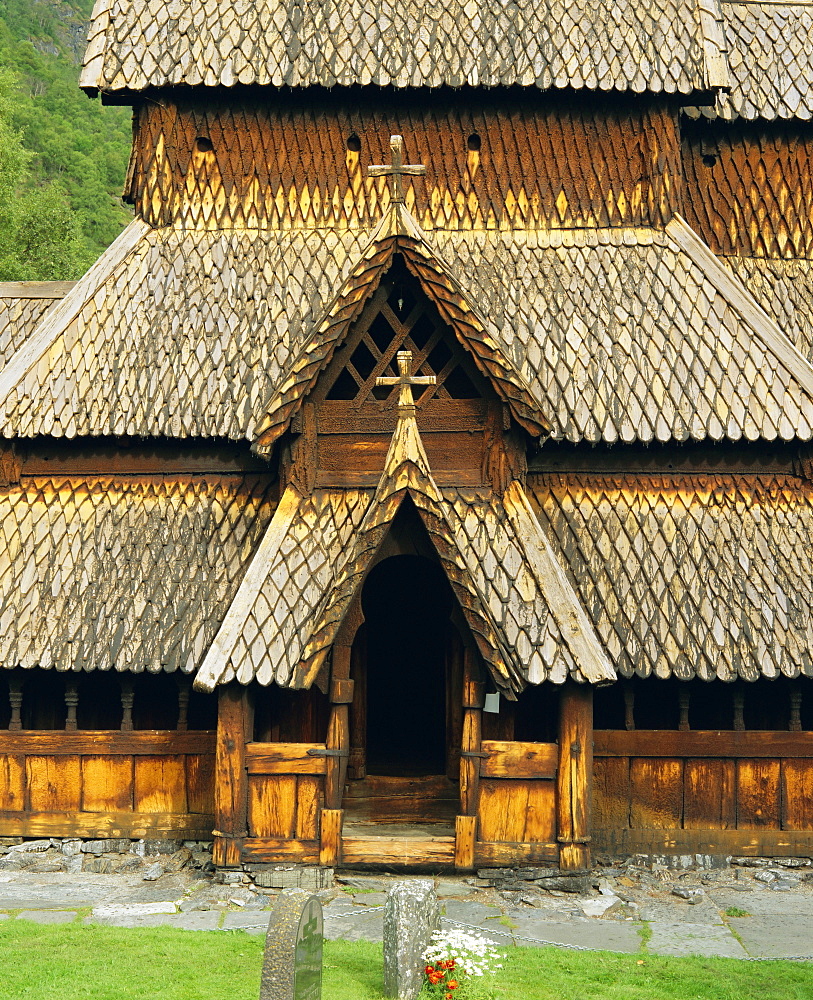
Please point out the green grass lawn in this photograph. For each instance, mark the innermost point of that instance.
(75, 962)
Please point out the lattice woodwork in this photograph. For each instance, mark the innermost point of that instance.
(399, 317)
(250, 165)
(749, 188)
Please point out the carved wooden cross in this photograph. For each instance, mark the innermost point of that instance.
(397, 170)
(405, 380)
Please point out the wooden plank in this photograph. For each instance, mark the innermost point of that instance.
(74, 823)
(105, 743)
(611, 792)
(797, 795)
(465, 835)
(701, 743)
(284, 758)
(709, 800)
(499, 811)
(330, 847)
(200, 782)
(656, 792)
(12, 782)
(107, 784)
(308, 804)
(160, 785)
(53, 784)
(540, 816)
(751, 843)
(509, 759)
(269, 850)
(35, 289)
(398, 851)
(757, 794)
(505, 855)
(231, 781)
(272, 806)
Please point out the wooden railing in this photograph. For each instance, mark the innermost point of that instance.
(106, 783)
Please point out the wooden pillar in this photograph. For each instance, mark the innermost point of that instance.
(357, 763)
(472, 744)
(71, 704)
(15, 697)
(338, 730)
(683, 697)
(231, 780)
(330, 846)
(127, 698)
(184, 685)
(575, 775)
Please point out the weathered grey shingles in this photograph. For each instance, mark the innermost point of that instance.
(770, 61)
(18, 317)
(710, 576)
(637, 45)
(122, 574)
(618, 333)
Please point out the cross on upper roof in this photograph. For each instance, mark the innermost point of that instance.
(405, 380)
(397, 169)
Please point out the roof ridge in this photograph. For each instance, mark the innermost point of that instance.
(738, 296)
(57, 319)
(716, 71)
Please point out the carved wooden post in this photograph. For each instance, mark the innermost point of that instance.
(472, 745)
(127, 698)
(338, 730)
(71, 703)
(575, 775)
(629, 707)
(357, 763)
(739, 710)
(15, 698)
(231, 780)
(795, 723)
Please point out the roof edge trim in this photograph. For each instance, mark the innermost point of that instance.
(90, 76)
(215, 664)
(745, 304)
(566, 608)
(58, 318)
(716, 71)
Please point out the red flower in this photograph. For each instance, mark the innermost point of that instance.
(429, 969)
(452, 984)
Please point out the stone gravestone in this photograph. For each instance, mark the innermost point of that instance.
(292, 966)
(411, 915)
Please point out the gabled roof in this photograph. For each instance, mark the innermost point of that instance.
(619, 334)
(119, 573)
(664, 46)
(398, 233)
(521, 610)
(770, 59)
(22, 305)
(705, 576)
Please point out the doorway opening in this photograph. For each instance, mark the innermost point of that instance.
(407, 602)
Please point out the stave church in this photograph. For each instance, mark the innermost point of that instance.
(424, 477)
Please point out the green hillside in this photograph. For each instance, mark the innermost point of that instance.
(60, 206)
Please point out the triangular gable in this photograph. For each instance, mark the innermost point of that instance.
(398, 233)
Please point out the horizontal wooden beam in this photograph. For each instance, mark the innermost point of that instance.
(486, 853)
(700, 743)
(268, 850)
(510, 759)
(180, 826)
(285, 758)
(398, 851)
(105, 742)
(748, 843)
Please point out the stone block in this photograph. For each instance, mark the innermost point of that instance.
(97, 866)
(97, 847)
(311, 878)
(411, 915)
(29, 846)
(158, 846)
(153, 872)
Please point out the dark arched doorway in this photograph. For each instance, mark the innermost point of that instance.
(407, 602)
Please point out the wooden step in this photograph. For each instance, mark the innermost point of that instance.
(392, 800)
(398, 852)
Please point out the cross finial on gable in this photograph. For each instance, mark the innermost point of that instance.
(405, 380)
(397, 169)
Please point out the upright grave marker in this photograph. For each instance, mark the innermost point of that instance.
(292, 966)
(411, 915)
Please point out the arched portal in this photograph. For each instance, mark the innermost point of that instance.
(407, 603)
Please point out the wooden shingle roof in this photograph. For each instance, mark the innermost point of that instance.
(706, 576)
(618, 334)
(770, 60)
(663, 46)
(22, 305)
(122, 573)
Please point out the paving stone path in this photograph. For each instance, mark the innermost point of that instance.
(731, 912)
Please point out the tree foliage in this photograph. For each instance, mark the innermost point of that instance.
(62, 156)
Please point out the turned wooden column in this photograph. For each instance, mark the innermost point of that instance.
(234, 723)
(338, 730)
(357, 763)
(574, 779)
(15, 699)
